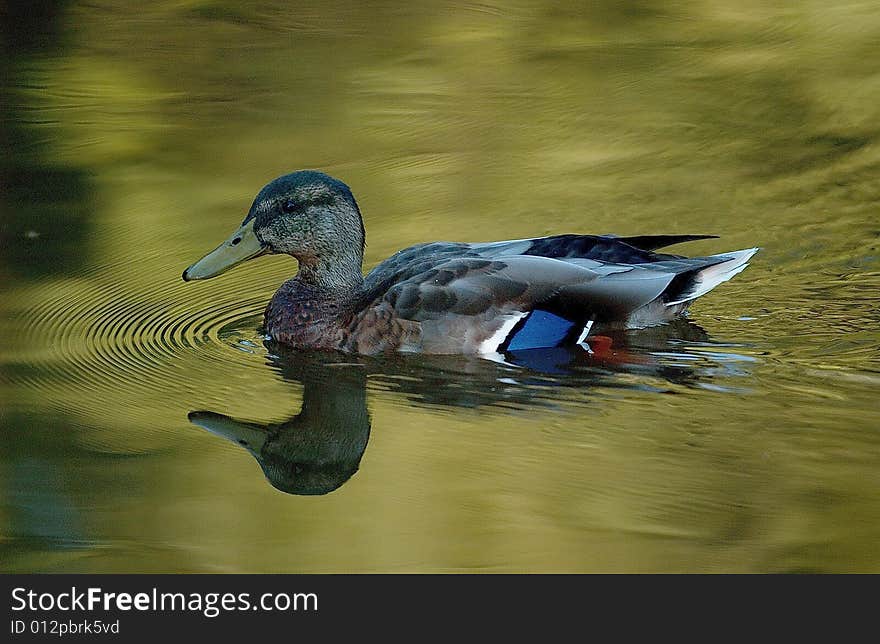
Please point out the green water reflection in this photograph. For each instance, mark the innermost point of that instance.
(135, 137)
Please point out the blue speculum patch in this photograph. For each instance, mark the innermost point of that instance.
(541, 329)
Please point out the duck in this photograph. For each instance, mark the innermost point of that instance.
(442, 297)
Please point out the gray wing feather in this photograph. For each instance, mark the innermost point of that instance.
(521, 283)
(619, 294)
(468, 286)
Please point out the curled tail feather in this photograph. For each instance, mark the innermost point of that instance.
(708, 278)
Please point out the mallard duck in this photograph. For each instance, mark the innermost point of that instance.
(454, 297)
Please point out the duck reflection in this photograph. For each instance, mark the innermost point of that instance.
(319, 449)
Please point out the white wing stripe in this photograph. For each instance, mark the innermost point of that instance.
(492, 343)
(585, 332)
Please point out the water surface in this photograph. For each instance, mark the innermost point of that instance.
(147, 426)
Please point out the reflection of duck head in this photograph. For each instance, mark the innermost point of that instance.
(317, 450)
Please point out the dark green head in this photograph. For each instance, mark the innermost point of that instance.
(306, 214)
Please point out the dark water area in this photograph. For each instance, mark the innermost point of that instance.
(148, 425)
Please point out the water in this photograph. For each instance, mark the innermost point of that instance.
(743, 439)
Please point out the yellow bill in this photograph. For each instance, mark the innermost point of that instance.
(241, 246)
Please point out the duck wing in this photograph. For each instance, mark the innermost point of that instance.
(604, 248)
(487, 297)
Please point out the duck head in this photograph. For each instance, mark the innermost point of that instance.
(306, 214)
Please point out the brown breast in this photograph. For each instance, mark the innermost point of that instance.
(298, 316)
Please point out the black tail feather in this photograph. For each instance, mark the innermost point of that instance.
(652, 242)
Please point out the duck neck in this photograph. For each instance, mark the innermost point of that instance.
(339, 276)
(335, 400)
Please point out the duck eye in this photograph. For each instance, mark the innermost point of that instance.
(288, 206)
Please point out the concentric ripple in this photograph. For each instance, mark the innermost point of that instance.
(95, 335)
